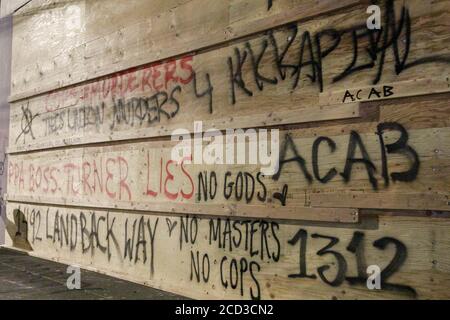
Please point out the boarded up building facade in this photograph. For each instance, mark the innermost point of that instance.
(98, 88)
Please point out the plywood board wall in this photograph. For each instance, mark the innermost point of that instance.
(362, 118)
(234, 258)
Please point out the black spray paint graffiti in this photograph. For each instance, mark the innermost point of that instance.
(384, 92)
(207, 92)
(356, 247)
(389, 37)
(401, 146)
(308, 51)
(74, 119)
(89, 232)
(248, 187)
(248, 246)
(26, 124)
(171, 226)
(243, 186)
(137, 111)
(133, 243)
(281, 196)
(394, 36)
(21, 222)
(258, 238)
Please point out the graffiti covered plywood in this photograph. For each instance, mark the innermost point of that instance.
(81, 43)
(396, 159)
(223, 258)
(356, 179)
(306, 72)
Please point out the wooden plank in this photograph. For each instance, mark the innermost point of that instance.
(136, 97)
(231, 258)
(419, 201)
(412, 88)
(92, 178)
(143, 177)
(36, 129)
(151, 31)
(337, 215)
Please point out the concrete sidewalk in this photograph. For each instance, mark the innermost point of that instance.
(26, 277)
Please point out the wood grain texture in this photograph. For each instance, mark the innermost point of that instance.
(110, 36)
(364, 151)
(146, 176)
(243, 84)
(243, 259)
